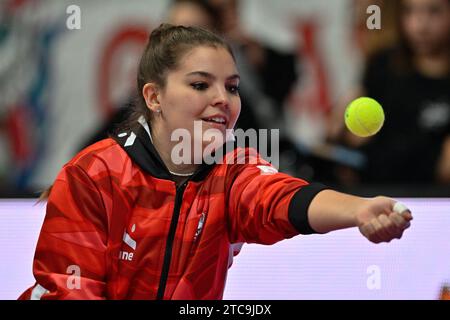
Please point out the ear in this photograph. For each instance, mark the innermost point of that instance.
(150, 93)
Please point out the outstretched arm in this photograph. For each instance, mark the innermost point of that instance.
(266, 207)
(376, 219)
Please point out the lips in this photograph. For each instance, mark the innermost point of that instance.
(216, 119)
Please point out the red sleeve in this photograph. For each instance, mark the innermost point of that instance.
(265, 206)
(69, 261)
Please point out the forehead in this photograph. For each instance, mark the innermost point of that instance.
(215, 60)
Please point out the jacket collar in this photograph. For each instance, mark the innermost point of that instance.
(139, 147)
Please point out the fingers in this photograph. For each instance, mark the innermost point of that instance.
(380, 229)
(407, 215)
(403, 210)
(369, 231)
(390, 228)
(400, 220)
(384, 219)
(384, 228)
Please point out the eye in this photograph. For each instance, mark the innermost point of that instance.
(200, 86)
(233, 89)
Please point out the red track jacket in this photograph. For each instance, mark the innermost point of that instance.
(117, 227)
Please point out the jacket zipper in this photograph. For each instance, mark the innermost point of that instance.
(170, 240)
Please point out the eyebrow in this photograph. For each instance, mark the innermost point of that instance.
(210, 76)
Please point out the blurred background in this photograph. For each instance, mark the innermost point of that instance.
(65, 83)
(301, 63)
(64, 86)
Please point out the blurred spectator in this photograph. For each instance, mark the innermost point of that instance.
(268, 74)
(412, 81)
(367, 40)
(194, 13)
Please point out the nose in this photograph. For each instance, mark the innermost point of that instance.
(220, 98)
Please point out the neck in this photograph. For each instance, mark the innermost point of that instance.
(164, 146)
(433, 66)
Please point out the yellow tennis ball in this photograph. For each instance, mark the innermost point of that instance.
(364, 117)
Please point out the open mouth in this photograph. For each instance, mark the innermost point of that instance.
(216, 120)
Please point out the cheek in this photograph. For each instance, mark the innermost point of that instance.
(185, 104)
(194, 103)
(235, 110)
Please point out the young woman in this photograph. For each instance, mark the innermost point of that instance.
(125, 221)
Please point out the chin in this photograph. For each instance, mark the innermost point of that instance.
(214, 142)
